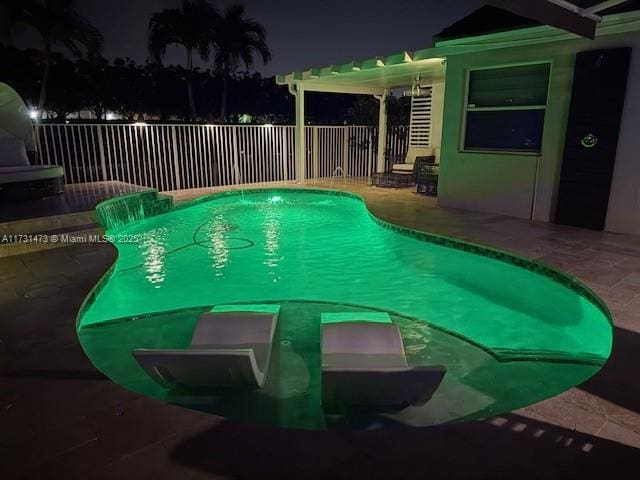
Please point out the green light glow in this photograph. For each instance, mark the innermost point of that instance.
(375, 317)
(322, 256)
(246, 308)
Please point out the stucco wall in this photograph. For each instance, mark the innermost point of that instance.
(623, 214)
(504, 183)
(437, 112)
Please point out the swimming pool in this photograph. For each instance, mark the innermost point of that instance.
(510, 331)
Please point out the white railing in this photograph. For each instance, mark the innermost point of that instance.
(172, 157)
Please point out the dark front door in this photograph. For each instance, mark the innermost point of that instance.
(599, 86)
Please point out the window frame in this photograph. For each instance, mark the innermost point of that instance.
(465, 109)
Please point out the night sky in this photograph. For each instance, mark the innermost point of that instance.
(300, 33)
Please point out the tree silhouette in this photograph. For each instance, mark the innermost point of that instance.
(189, 26)
(236, 39)
(56, 21)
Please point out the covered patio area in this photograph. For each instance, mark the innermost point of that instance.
(419, 74)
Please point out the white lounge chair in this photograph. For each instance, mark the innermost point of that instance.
(18, 179)
(364, 368)
(230, 347)
(30, 181)
(408, 167)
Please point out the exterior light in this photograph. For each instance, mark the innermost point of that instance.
(33, 114)
(110, 116)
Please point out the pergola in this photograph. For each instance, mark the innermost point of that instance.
(374, 76)
(378, 75)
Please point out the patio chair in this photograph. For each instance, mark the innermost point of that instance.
(230, 348)
(413, 153)
(427, 175)
(364, 368)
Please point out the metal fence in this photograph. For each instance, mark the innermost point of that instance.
(172, 157)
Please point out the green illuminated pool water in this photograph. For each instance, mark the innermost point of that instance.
(509, 336)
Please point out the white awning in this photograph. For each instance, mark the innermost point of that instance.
(371, 76)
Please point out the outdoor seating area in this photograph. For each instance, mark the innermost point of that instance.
(30, 182)
(364, 367)
(230, 347)
(415, 264)
(18, 179)
(419, 167)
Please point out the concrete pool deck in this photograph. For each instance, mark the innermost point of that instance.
(61, 418)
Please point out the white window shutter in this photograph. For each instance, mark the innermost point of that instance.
(420, 123)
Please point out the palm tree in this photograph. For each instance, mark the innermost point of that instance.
(189, 26)
(56, 21)
(236, 39)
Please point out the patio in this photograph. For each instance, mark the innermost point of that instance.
(506, 140)
(65, 419)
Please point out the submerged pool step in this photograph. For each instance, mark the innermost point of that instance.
(551, 356)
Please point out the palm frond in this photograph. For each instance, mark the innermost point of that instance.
(76, 32)
(165, 28)
(237, 40)
(189, 26)
(14, 16)
(56, 21)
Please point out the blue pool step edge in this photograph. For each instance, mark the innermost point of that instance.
(340, 317)
(266, 308)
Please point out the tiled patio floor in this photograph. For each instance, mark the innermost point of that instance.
(60, 418)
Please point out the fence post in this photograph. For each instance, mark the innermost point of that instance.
(370, 153)
(345, 151)
(38, 144)
(285, 154)
(103, 161)
(316, 152)
(236, 156)
(46, 145)
(176, 162)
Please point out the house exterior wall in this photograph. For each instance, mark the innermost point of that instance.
(623, 215)
(504, 183)
(437, 112)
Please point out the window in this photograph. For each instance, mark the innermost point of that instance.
(505, 108)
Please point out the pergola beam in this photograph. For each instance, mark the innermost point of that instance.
(355, 89)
